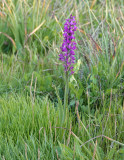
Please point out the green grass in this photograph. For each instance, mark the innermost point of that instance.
(27, 126)
(32, 81)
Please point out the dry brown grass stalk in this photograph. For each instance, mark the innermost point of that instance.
(94, 153)
(68, 141)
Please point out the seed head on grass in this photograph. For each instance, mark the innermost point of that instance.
(69, 45)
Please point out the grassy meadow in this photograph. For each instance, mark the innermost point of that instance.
(32, 123)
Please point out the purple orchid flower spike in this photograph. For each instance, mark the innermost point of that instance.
(69, 45)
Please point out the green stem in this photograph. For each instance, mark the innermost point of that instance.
(66, 93)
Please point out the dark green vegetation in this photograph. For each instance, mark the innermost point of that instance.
(32, 84)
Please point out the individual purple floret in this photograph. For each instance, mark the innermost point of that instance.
(68, 46)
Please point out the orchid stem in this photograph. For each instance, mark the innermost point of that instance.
(66, 93)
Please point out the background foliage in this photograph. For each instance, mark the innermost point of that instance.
(32, 84)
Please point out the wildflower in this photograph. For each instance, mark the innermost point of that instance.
(69, 45)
